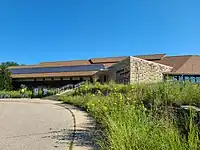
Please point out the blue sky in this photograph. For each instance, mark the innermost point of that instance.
(32, 31)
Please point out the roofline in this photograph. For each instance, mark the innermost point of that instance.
(151, 61)
(180, 55)
(64, 61)
(141, 59)
(108, 57)
(150, 55)
(128, 57)
(24, 66)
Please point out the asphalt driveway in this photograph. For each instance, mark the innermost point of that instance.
(34, 125)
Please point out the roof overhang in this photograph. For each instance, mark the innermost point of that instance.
(59, 74)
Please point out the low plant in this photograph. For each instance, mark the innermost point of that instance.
(25, 94)
(15, 94)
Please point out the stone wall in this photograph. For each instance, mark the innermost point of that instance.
(146, 71)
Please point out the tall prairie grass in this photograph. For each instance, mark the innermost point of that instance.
(138, 116)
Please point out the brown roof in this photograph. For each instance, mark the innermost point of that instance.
(24, 66)
(117, 59)
(151, 57)
(107, 59)
(66, 63)
(108, 64)
(191, 66)
(182, 64)
(174, 61)
(59, 74)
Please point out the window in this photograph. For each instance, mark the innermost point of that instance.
(186, 78)
(192, 79)
(198, 79)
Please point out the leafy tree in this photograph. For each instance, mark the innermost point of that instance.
(10, 63)
(5, 77)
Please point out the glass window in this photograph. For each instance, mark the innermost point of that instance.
(198, 79)
(187, 78)
(192, 79)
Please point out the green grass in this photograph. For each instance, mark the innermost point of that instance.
(135, 120)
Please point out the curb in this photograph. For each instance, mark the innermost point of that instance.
(84, 123)
(74, 126)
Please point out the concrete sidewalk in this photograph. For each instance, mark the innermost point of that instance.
(44, 124)
(84, 133)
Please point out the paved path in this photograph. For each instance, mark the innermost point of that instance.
(38, 125)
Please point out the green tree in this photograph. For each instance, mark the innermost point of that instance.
(10, 63)
(5, 77)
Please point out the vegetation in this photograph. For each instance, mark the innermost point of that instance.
(25, 94)
(5, 75)
(15, 94)
(6, 85)
(5, 78)
(142, 116)
(10, 63)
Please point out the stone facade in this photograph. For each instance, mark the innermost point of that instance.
(134, 70)
(146, 71)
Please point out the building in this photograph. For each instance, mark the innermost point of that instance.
(126, 69)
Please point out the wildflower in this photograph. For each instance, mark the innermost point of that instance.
(105, 108)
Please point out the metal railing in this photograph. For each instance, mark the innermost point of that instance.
(69, 87)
